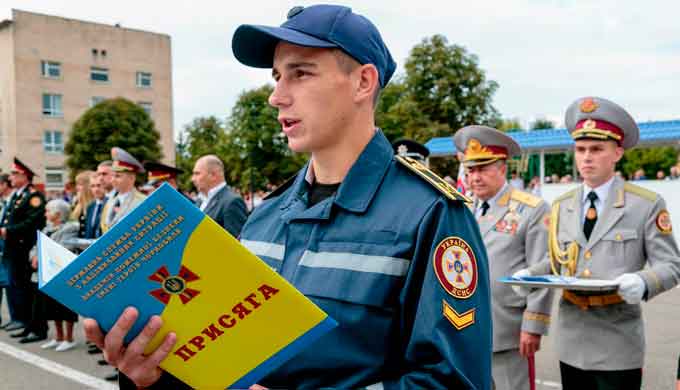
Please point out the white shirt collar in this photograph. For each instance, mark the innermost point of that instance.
(491, 201)
(602, 191)
(205, 198)
(123, 197)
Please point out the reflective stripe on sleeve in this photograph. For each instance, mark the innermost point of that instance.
(356, 262)
(262, 248)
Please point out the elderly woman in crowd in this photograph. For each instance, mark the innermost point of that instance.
(60, 230)
(83, 199)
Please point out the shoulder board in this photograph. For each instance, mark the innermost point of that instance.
(526, 198)
(280, 189)
(566, 196)
(639, 191)
(437, 182)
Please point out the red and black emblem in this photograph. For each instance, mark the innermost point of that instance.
(174, 285)
(456, 267)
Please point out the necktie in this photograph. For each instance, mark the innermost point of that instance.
(591, 215)
(485, 208)
(114, 209)
(95, 215)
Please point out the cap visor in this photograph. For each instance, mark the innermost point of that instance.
(254, 45)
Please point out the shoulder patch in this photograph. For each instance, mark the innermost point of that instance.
(641, 192)
(455, 265)
(663, 222)
(437, 182)
(526, 198)
(566, 196)
(280, 189)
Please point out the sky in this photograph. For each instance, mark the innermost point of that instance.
(544, 54)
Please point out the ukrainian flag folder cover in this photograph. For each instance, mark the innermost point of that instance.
(235, 318)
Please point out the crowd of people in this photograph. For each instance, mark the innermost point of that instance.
(98, 200)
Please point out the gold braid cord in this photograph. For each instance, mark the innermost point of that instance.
(567, 258)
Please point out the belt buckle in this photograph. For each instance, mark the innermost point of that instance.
(596, 300)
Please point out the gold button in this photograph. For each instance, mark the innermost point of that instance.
(587, 255)
(618, 237)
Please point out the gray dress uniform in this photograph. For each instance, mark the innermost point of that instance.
(633, 234)
(516, 237)
(119, 206)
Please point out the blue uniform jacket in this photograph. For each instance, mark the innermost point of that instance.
(369, 256)
(366, 257)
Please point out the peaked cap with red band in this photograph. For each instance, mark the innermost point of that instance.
(125, 162)
(159, 173)
(601, 119)
(482, 145)
(22, 168)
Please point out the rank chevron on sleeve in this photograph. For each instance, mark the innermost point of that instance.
(459, 321)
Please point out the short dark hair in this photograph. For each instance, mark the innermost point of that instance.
(4, 178)
(347, 64)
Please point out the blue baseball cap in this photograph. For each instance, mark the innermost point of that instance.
(324, 26)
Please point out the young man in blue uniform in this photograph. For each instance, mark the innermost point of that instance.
(378, 242)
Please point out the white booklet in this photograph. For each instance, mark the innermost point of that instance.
(566, 282)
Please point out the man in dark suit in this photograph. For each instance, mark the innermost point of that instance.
(25, 215)
(215, 197)
(94, 210)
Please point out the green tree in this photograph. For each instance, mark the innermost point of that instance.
(204, 135)
(509, 125)
(256, 152)
(448, 86)
(113, 122)
(651, 160)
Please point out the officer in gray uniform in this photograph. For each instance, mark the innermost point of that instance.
(125, 169)
(512, 223)
(607, 229)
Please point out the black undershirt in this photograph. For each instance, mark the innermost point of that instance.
(318, 192)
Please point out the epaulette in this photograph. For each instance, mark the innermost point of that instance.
(641, 192)
(566, 196)
(526, 198)
(440, 184)
(280, 189)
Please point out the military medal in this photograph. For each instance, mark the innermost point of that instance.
(586, 273)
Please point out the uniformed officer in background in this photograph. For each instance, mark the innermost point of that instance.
(512, 226)
(160, 173)
(409, 148)
(125, 169)
(25, 214)
(384, 246)
(606, 229)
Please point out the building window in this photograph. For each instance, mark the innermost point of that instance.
(53, 141)
(54, 178)
(146, 106)
(51, 105)
(94, 100)
(100, 75)
(50, 69)
(143, 80)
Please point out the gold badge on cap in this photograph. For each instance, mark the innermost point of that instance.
(588, 105)
(663, 222)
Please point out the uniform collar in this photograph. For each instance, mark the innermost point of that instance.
(602, 191)
(362, 180)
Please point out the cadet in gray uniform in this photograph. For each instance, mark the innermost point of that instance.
(125, 168)
(607, 229)
(515, 234)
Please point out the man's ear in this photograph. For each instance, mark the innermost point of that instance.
(368, 81)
